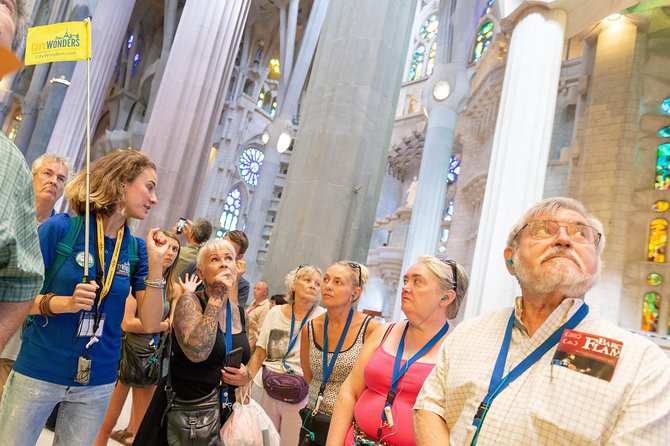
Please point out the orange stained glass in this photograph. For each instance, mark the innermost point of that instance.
(660, 206)
(650, 310)
(658, 238)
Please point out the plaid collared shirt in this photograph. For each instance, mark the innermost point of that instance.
(549, 404)
(21, 266)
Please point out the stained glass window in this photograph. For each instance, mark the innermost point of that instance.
(658, 238)
(660, 206)
(231, 210)
(454, 170)
(449, 211)
(664, 132)
(483, 40)
(251, 161)
(665, 106)
(131, 37)
(654, 279)
(275, 70)
(487, 8)
(431, 59)
(136, 60)
(445, 235)
(650, 307)
(416, 68)
(429, 27)
(663, 167)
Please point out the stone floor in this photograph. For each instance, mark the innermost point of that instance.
(47, 436)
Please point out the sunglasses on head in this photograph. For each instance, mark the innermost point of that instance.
(356, 266)
(454, 272)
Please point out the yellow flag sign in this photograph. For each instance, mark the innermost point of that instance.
(58, 42)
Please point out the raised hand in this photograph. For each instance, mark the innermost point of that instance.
(191, 284)
(157, 245)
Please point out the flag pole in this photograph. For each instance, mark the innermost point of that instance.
(87, 218)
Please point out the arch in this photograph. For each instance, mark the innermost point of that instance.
(658, 240)
(421, 59)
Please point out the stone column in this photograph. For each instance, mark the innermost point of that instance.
(328, 204)
(189, 104)
(437, 148)
(610, 164)
(520, 151)
(288, 107)
(108, 29)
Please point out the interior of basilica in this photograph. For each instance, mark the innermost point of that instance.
(380, 130)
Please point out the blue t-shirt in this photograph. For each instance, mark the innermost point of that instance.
(50, 351)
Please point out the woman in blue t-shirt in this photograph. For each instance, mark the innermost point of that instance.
(71, 349)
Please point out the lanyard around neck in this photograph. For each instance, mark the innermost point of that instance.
(294, 339)
(228, 333)
(100, 239)
(499, 383)
(328, 367)
(399, 372)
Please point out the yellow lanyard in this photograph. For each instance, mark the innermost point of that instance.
(100, 236)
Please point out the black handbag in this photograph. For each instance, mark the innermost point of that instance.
(314, 429)
(140, 366)
(192, 422)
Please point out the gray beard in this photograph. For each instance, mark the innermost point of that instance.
(570, 282)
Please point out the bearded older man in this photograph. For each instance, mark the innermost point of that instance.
(551, 370)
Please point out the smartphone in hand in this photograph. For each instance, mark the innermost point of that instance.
(180, 225)
(234, 358)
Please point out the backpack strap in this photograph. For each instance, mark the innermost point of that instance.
(133, 255)
(63, 251)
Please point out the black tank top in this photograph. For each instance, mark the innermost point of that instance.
(192, 380)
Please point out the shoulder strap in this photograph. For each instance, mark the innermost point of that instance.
(243, 317)
(63, 251)
(364, 327)
(133, 255)
(388, 330)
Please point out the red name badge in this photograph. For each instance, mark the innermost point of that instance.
(588, 354)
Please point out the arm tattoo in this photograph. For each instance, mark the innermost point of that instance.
(196, 331)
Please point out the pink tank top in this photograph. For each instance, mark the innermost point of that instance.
(369, 407)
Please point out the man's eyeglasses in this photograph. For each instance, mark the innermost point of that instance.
(578, 232)
(356, 266)
(454, 272)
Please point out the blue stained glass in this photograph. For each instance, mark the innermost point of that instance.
(449, 211)
(130, 40)
(251, 161)
(663, 167)
(665, 106)
(664, 132)
(454, 170)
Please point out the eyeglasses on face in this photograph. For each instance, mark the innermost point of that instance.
(578, 232)
(356, 266)
(454, 272)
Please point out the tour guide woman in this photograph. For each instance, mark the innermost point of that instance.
(379, 393)
(341, 333)
(71, 349)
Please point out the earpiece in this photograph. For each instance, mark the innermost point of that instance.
(444, 298)
(509, 261)
(353, 295)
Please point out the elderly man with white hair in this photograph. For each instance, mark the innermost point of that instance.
(551, 370)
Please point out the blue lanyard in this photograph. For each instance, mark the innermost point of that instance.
(499, 383)
(328, 367)
(228, 337)
(294, 339)
(399, 372)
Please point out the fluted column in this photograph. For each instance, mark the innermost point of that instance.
(31, 100)
(520, 150)
(189, 103)
(108, 29)
(328, 204)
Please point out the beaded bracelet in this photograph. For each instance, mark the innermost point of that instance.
(155, 283)
(45, 302)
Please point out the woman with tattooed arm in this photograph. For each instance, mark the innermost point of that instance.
(201, 322)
